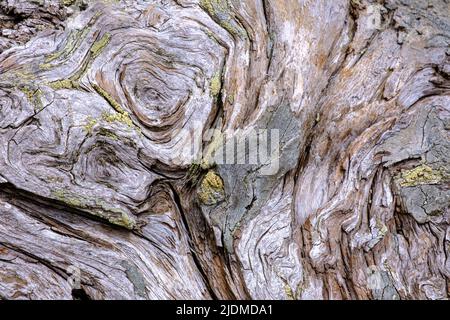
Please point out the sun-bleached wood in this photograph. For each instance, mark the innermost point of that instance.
(95, 97)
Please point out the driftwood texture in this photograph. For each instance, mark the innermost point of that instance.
(95, 96)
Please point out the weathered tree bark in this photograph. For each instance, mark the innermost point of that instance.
(96, 184)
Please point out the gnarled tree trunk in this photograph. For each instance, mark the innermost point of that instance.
(111, 184)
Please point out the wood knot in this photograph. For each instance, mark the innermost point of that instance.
(211, 190)
(420, 175)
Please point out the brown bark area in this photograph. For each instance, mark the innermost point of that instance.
(99, 198)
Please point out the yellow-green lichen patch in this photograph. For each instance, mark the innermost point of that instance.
(106, 133)
(21, 76)
(33, 96)
(216, 84)
(90, 123)
(221, 12)
(121, 115)
(289, 292)
(101, 209)
(211, 190)
(194, 173)
(108, 98)
(231, 99)
(382, 228)
(63, 84)
(72, 82)
(45, 66)
(420, 175)
(24, 74)
(118, 117)
(67, 3)
(123, 220)
(70, 43)
(100, 44)
(68, 199)
(317, 117)
(73, 42)
(210, 35)
(215, 7)
(118, 217)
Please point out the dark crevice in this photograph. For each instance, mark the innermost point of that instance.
(20, 194)
(80, 294)
(195, 258)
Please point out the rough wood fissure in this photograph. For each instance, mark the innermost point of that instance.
(95, 98)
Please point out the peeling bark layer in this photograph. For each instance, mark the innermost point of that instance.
(104, 196)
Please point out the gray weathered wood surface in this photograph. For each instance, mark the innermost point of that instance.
(94, 97)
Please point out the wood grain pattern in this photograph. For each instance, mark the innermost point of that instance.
(98, 175)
